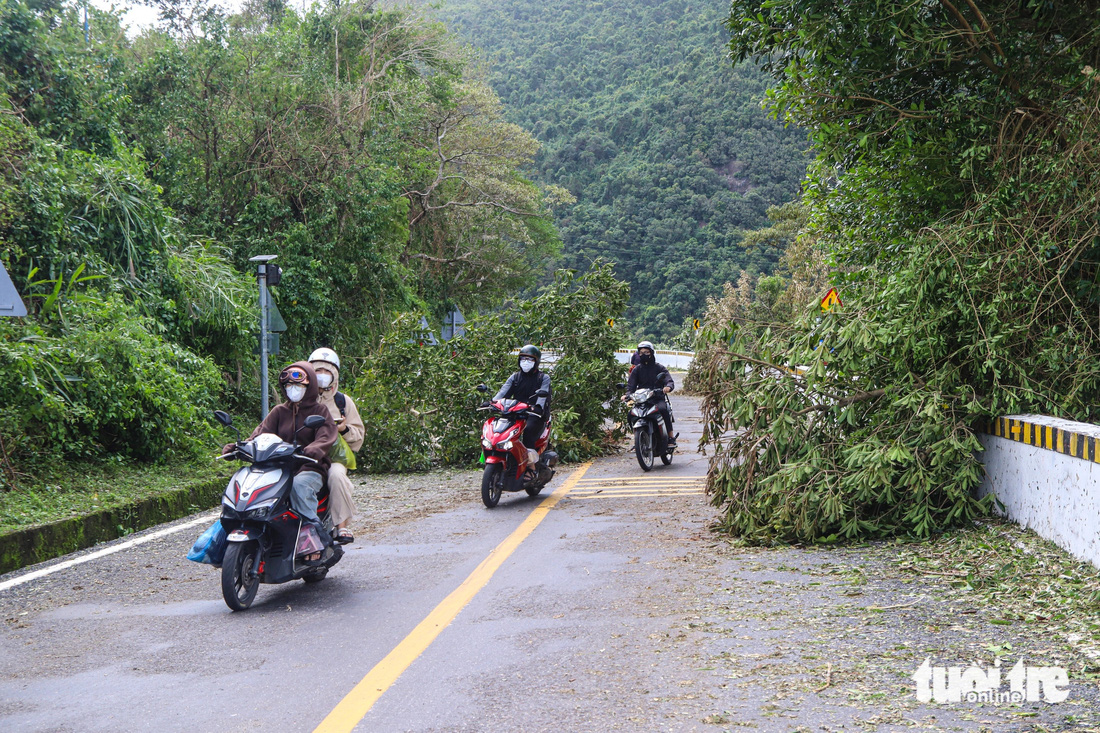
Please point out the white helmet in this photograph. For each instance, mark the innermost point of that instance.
(325, 355)
(642, 345)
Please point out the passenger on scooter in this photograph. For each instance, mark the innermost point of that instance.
(651, 375)
(350, 425)
(299, 385)
(522, 386)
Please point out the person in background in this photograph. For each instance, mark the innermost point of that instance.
(651, 375)
(350, 427)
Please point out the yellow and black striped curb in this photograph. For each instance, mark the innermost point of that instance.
(1060, 440)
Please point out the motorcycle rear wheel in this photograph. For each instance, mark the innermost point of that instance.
(238, 588)
(643, 448)
(492, 483)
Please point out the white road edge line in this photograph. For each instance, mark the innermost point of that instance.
(104, 552)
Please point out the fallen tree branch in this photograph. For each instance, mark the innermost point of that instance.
(860, 397)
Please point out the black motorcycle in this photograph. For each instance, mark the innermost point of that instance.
(650, 435)
(267, 541)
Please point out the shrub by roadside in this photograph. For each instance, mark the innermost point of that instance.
(422, 399)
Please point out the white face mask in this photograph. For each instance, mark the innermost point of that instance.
(295, 392)
(324, 380)
(526, 365)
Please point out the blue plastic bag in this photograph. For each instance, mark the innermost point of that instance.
(209, 548)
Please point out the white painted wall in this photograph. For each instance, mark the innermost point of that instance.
(674, 360)
(1056, 495)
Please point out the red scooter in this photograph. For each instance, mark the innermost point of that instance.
(507, 464)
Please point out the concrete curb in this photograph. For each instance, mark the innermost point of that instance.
(37, 544)
(1078, 440)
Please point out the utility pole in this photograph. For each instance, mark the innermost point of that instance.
(266, 274)
(85, 22)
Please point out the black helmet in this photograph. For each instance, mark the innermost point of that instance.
(532, 351)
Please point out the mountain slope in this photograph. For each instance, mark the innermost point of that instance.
(643, 119)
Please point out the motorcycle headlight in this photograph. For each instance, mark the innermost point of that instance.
(506, 445)
(260, 510)
(486, 444)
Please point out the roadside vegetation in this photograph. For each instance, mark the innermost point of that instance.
(358, 143)
(954, 200)
(84, 488)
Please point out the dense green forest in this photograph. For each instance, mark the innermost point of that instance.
(139, 174)
(643, 119)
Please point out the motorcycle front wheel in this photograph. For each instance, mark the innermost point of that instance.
(239, 581)
(492, 483)
(643, 448)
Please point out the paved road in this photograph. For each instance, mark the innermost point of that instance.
(619, 611)
(141, 639)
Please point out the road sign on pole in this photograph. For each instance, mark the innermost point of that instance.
(10, 302)
(831, 298)
(695, 324)
(427, 336)
(454, 325)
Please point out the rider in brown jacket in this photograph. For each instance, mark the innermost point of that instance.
(299, 385)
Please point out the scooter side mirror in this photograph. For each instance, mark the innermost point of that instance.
(313, 421)
(481, 388)
(621, 385)
(223, 417)
(542, 393)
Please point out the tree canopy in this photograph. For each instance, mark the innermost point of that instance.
(955, 196)
(138, 175)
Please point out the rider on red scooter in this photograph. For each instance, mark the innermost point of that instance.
(522, 386)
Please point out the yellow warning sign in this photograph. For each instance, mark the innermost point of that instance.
(695, 324)
(611, 321)
(831, 298)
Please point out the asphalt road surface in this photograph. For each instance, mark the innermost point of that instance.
(607, 605)
(140, 639)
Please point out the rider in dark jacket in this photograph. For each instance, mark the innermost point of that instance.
(522, 386)
(651, 375)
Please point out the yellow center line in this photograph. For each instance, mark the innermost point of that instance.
(644, 477)
(642, 483)
(357, 703)
(626, 492)
(629, 496)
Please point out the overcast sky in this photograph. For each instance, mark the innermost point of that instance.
(139, 16)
